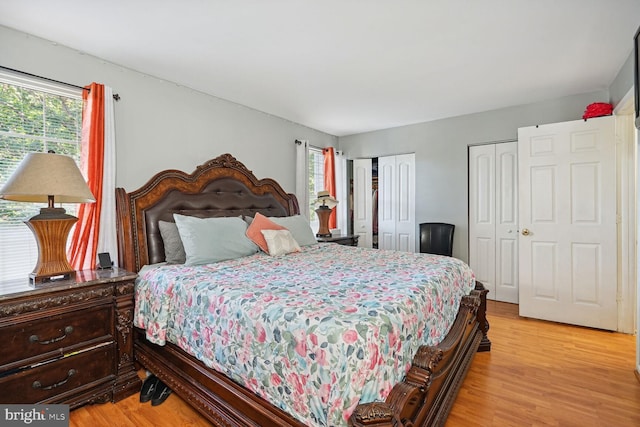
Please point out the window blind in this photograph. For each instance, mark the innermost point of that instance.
(35, 116)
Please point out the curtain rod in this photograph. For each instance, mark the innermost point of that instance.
(115, 95)
(298, 142)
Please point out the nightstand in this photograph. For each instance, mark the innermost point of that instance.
(341, 239)
(70, 341)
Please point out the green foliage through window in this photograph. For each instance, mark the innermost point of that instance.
(31, 120)
(34, 121)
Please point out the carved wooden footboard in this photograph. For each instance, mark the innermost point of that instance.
(427, 393)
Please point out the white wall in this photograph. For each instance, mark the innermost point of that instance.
(441, 153)
(623, 82)
(161, 125)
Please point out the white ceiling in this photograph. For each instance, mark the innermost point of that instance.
(350, 66)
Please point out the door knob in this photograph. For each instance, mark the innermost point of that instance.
(525, 232)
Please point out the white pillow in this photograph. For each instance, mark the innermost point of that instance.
(280, 242)
(299, 227)
(208, 240)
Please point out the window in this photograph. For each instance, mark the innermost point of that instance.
(316, 182)
(35, 116)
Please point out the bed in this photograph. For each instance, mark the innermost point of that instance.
(223, 187)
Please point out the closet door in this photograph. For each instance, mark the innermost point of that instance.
(507, 222)
(396, 202)
(482, 221)
(386, 202)
(362, 206)
(493, 219)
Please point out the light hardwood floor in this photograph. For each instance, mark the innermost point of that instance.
(537, 374)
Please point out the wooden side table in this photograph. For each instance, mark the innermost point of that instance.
(341, 239)
(70, 341)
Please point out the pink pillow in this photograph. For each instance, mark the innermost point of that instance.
(254, 231)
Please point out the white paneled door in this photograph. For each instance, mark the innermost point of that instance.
(386, 202)
(567, 243)
(493, 218)
(396, 203)
(362, 199)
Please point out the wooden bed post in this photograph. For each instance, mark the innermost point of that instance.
(483, 323)
(124, 231)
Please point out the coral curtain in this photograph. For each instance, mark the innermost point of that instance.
(84, 241)
(341, 192)
(330, 179)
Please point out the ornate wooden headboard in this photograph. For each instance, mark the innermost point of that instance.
(221, 187)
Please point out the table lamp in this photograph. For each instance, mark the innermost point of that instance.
(324, 204)
(49, 177)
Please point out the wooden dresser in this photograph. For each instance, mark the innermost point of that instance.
(69, 342)
(341, 239)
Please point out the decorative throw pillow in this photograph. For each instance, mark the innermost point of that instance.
(280, 242)
(208, 240)
(254, 231)
(299, 227)
(173, 248)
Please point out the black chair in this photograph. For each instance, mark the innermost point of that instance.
(436, 238)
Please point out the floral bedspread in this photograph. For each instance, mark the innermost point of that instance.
(314, 333)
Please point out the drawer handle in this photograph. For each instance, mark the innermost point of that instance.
(67, 331)
(38, 386)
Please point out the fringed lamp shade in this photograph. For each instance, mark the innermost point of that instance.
(50, 178)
